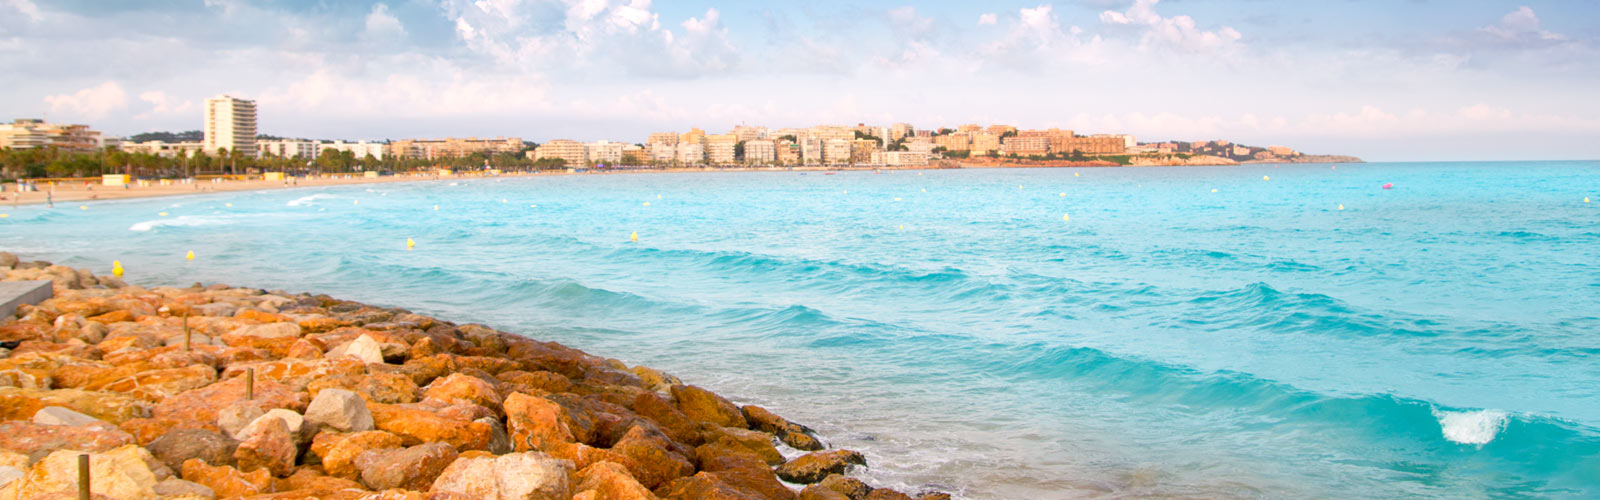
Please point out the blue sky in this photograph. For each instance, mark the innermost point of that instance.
(1386, 80)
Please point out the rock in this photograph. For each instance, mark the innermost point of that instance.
(365, 349)
(934, 496)
(303, 349)
(535, 423)
(813, 467)
(56, 415)
(610, 481)
(850, 487)
(339, 454)
(8, 260)
(233, 419)
(220, 309)
(659, 410)
(703, 405)
(412, 468)
(499, 440)
(750, 475)
(178, 446)
(146, 430)
(386, 388)
(227, 482)
(339, 409)
(817, 492)
(312, 479)
(792, 434)
(535, 383)
(518, 476)
(655, 380)
(726, 440)
(416, 426)
(298, 373)
(887, 494)
(267, 446)
(21, 404)
(268, 331)
(704, 486)
(204, 403)
(651, 460)
(174, 487)
(121, 473)
(36, 440)
(157, 385)
(291, 420)
(458, 387)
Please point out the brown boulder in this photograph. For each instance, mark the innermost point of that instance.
(178, 446)
(676, 424)
(416, 426)
(703, 405)
(748, 474)
(340, 451)
(704, 486)
(651, 461)
(817, 492)
(887, 494)
(225, 481)
(792, 434)
(458, 387)
(203, 404)
(610, 481)
(813, 467)
(535, 423)
(412, 468)
(271, 447)
(847, 486)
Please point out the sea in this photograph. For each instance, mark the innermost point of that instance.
(1351, 331)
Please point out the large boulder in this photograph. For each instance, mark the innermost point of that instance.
(610, 481)
(412, 468)
(464, 388)
(813, 467)
(703, 405)
(340, 451)
(21, 404)
(203, 404)
(269, 446)
(123, 474)
(748, 474)
(517, 476)
(178, 446)
(268, 330)
(378, 387)
(156, 385)
(228, 482)
(795, 435)
(177, 488)
(535, 423)
(339, 409)
(57, 415)
(651, 459)
(850, 487)
(417, 426)
(36, 440)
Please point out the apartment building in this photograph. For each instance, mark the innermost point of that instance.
(230, 123)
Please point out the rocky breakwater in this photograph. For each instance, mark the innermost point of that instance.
(222, 392)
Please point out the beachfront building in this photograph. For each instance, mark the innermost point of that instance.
(748, 133)
(922, 145)
(634, 154)
(787, 152)
(899, 158)
(899, 131)
(810, 150)
(861, 150)
(663, 153)
(970, 127)
(603, 152)
(1001, 129)
(831, 132)
(836, 151)
(230, 123)
(667, 138)
(1089, 145)
(572, 152)
(451, 147)
(164, 149)
(692, 153)
(693, 136)
(959, 141)
(358, 149)
(722, 149)
(1026, 144)
(985, 142)
(288, 148)
(29, 133)
(760, 151)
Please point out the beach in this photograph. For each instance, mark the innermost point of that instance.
(223, 392)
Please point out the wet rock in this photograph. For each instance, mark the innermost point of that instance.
(651, 460)
(817, 492)
(887, 494)
(934, 496)
(227, 482)
(792, 434)
(748, 474)
(813, 467)
(535, 423)
(848, 486)
(413, 468)
(179, 446)
(340, 409)
(703, 405)
(730, 440)
(268, 446)
(518, 476)
(36, 440)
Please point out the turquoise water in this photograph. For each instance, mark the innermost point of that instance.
(1440, 339)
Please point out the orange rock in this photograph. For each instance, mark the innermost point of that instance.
(582, 456)
(156, 385)
(656, 408)
(412, 468)
(538, 382)
(261, 316)
(610, 481)
(887, 494)
(309, 478)
(377, 387)
(850, 487)
(817, 492)
(458, 387)
(270, 447)
(303, 349)
(322, 324)
(792, 434)
(535, 423)
(204, 403)
(651, 461)
(813, 467)
(339, 452)
(703, 405)
(748, 474)
(225, 481)
(145, 430)
(276, 347)
(424, 347)
(703, 486)
(112, 317)
(111, 407)
(298, 373)
(416, 426)
(29, 438)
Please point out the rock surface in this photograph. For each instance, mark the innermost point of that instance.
(813, 467)
(341, 410)
(518, 476)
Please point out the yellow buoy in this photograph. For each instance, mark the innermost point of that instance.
(647, 203)
(902, 227)
(533, 206)
(189, 256)
(1586, 199)
(83, 207)
(227, 204)
(634, 236)
(355, 202)
(436, 208)
(1265, 178)
(658, 196)
(847, 191)
(163, 214)
(116, 268)
(410, 244)
(1341, 206)
(1074, 174)
(502, 200)
(924, 190)
(2, 216)
(1213, 190)
(1066, 216)
(896, 199)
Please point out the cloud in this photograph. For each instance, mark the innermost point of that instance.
(1176, 32)
(987, 19)
(163, 104)
(382, 25)
(26, 8)
(1521, 28)
(1037, 38)
(94, 102)
(596, 35)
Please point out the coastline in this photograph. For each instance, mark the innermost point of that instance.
(246, 393)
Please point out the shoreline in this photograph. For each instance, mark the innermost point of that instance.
(223, 392)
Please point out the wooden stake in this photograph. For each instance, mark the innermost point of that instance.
(250, 384)
(83, 477)
(187, 346)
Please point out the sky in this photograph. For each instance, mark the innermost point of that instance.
(1387, 80)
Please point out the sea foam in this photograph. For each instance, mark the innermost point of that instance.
(184, 221)
(307, 200)
(1472, 427)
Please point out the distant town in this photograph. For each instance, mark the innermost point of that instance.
(229, 143)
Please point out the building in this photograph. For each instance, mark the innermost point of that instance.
(572, 152)
(722, 149)
(900, 131)
(836, 151)
(634, 154)
(811, 151)
(1089, 145)
(899, 158)
(1001, 129)
(288, 148)
(831, 132)
(787, 152)
(230, 124)
(693, 136)
(970, 127)
(861, 150)
(1026, 145)
(30, 133)
(662, 153)
(428, 149)
(1282, 150)
(691, 153)
(922, 145)
(668, 138)
(760, 151)
(603, 152)
(748, 133)
(164, 149)
(359, 149)
(959, 141)
(985, 142)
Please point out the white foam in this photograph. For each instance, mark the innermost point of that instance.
(306, 200)
(1472, 427)
(183, 221)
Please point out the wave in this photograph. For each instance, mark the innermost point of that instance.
(185, 221)
(1471, 427)
(310, 199)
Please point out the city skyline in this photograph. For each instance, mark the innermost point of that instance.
(1478, 80)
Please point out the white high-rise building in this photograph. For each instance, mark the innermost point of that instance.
(230, 124)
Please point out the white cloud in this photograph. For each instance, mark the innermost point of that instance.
(93, 102)
(162, 104)
(1176, 32)
(604, 35)
(987, 19)
(383, 26)
(1036, 39)
(26, 8)
(1521, 27)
